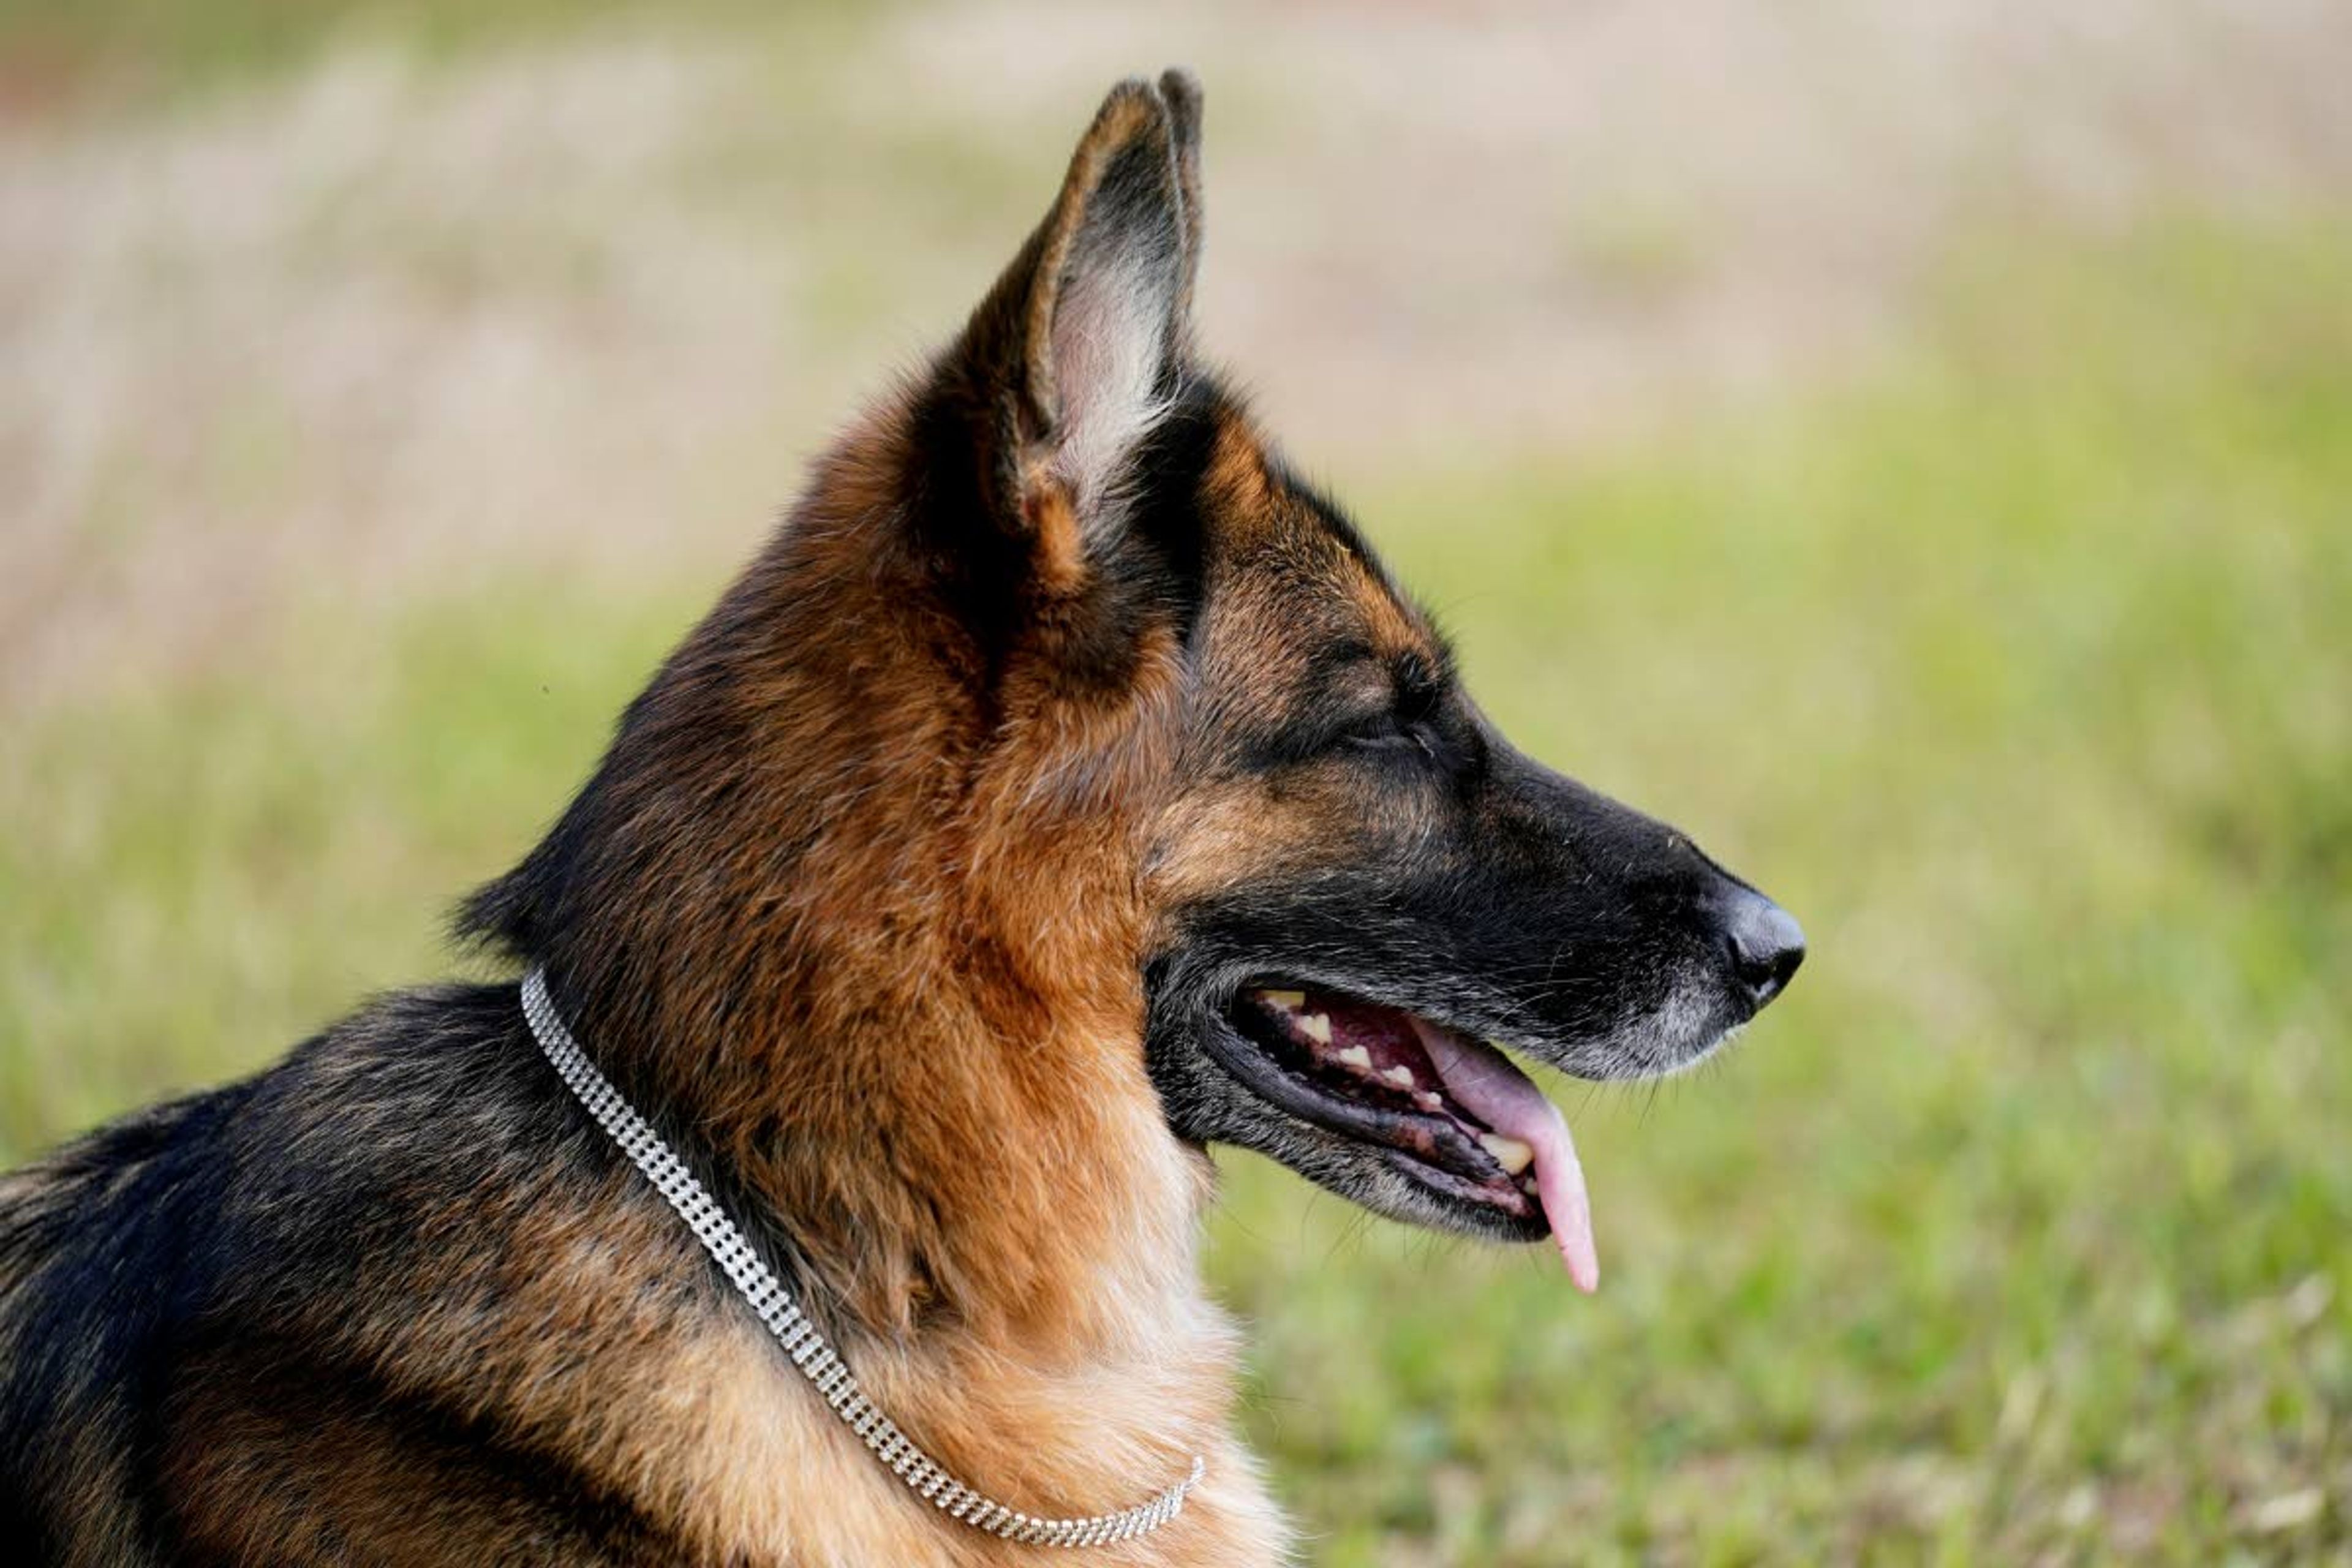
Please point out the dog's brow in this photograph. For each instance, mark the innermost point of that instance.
(1328, 662)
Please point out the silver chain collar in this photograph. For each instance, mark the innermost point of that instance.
(775, 1304)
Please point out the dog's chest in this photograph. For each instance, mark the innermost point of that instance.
(747, 1464)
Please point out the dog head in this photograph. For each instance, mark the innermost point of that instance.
(1352, 878)
(1063, 711)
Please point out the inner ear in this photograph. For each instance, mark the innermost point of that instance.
(1102, 372)
(1097, 309)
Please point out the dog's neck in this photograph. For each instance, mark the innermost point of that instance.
(931, 1087)
(932, 1151)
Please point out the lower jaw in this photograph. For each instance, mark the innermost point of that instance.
(1470, 1204)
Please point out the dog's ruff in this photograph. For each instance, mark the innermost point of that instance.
(773, 1302)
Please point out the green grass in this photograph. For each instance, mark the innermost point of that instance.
(2023, 1226)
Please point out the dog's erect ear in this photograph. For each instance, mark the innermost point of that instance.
(1080, 345)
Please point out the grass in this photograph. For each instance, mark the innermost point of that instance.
(2022, 1229)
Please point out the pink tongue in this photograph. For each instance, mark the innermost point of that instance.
(1488, 1086)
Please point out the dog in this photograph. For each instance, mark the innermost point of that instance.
(1064, 789)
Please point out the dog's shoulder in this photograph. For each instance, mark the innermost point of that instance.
(321, 1249)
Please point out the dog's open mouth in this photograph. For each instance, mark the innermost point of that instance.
(1452, 1113)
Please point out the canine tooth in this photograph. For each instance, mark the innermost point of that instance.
(1399, 1075)
(1317, 1027)
(1288, 1001)
(1509, 1152)
(1427, 1101)
(1354, 1056)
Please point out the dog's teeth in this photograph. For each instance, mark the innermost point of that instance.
(1401, 1076)
(1427, 1101)
(1317, 1027)
(1288, 1001)
(1353, 1056)
(1509, 1152)
(1527, 1185)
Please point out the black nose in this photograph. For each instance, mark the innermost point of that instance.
(1767, 945)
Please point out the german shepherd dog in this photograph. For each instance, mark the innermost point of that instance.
(1064, 789)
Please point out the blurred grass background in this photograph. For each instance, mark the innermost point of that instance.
(1916, 456)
